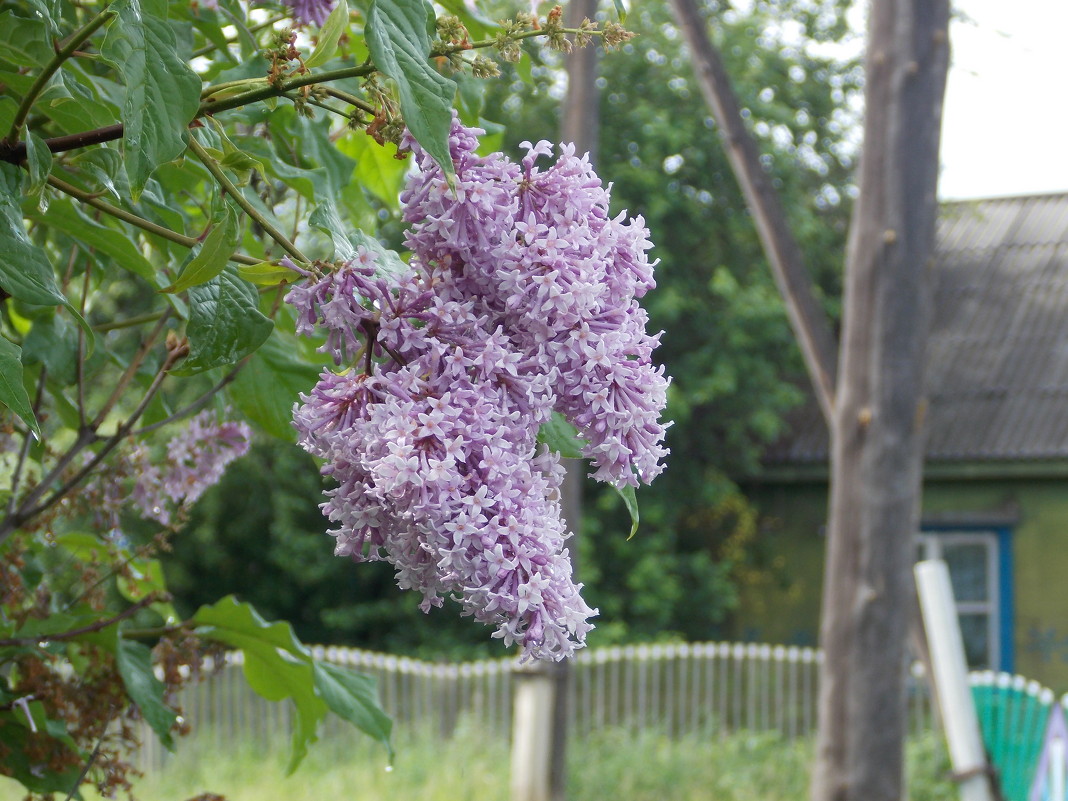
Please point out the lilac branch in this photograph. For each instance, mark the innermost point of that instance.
(74, 634)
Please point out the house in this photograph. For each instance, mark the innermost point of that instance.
(995, 503)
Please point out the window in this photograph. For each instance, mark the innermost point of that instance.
(980, 572)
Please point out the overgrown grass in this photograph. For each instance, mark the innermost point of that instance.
(471, 767)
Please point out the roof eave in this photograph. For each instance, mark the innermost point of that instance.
(940, 470)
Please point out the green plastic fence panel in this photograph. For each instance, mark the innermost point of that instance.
(1012, 713)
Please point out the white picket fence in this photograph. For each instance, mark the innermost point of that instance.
(679, 689)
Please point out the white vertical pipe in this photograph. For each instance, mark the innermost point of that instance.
(951, 678)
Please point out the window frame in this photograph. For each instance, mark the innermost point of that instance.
(999, 605)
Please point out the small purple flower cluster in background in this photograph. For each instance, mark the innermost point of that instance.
(310, 12)
(196, 459)
(519, 300)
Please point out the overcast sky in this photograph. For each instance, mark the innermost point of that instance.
(1005, 129)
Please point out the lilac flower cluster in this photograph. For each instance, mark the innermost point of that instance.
(196, 459)
(519, 300)
(310, 12)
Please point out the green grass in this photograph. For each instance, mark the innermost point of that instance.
(469, 767)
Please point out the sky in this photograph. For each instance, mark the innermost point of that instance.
(1005, 126)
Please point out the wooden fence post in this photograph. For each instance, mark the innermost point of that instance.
(532, 732)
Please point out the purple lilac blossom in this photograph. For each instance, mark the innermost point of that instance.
(436, 458)
(310, 12)
(195, 460)
(536, 251)
(197, 457)
(520, 300)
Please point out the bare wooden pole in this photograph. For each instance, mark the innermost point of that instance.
(877, 442)
(810, 324)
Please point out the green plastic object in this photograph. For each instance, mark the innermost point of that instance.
(1012, 713)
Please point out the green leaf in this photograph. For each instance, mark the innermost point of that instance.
(24, 42)
(238, 624)
(561, 437)
(621, 11)
(225, 323)
(94, 236)
(627, 494)
(162, 93)
(145, 577)
(400, 47)
(329, 35)
(134, 661)
(268, 386)
(354, 697)
(378, 170)
(12, 391)
(53, 342)
(25, 272)
(266, 273)
(277, 666)
(211, 257)
(19, 765)
(479, 26)
(39, 161)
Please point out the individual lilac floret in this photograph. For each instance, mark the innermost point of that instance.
(537, 253)
(310, 12)
(435, 455)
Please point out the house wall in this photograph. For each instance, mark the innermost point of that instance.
(794, 514)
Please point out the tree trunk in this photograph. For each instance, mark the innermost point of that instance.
(877, 444)
(874, 404)
(807, 319)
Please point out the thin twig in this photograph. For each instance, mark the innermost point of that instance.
(73, 634)
(15, 152)
(80, 366)
(19, 516)
(199, 403)
(351, 99)
(311, 101)
(131, 370)
(203, 51)
(88, 765)
(24, 451)
(242, 201)
(129, 322)
(139, 222)
(109, 445)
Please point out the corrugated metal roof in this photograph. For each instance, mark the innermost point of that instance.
(997, 369)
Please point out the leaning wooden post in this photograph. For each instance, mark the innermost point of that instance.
(954, 693)
(532, 731)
